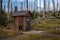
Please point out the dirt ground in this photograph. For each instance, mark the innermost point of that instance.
(27, 33)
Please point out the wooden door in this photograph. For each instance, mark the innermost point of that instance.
(28, 24)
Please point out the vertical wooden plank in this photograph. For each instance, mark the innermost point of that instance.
(17, 23)
(24, 23)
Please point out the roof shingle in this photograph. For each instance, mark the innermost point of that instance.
(20, 13)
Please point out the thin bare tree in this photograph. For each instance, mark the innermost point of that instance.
(40, 6)
(8, 5)
(4, 8)
(27, 4)
(44, 14)
(15, 6)
(57, 5)
(48, 5)
(35, 5)
(11, 7)
(21, 6)
(1, 6)
(53, 7)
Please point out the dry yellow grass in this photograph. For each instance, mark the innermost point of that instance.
(38, 37)
(48, 24)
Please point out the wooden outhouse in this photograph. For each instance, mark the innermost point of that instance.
(22, 20)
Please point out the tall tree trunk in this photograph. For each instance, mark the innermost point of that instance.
(57, 8)
(8, 5)
(11, 7)
(36, 5)
(57, 5)
(4, 8)
(15, 6)
(40, 6)
(27, 4)
(48, 5)
(0, 6)
(53, 7)
(44, 14)
(21, 7)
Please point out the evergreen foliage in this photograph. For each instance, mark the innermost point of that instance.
(3, 19)
(34, 15)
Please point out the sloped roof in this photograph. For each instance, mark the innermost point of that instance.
(20, 13)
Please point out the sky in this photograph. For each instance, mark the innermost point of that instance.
(39, 4)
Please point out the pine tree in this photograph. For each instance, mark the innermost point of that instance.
(3, 19)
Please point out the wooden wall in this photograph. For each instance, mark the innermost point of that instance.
(23, 22)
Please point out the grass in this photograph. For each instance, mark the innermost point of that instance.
(38, 37)
(48, 25)
(52, 31)
(45, 24)
(6, 33)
